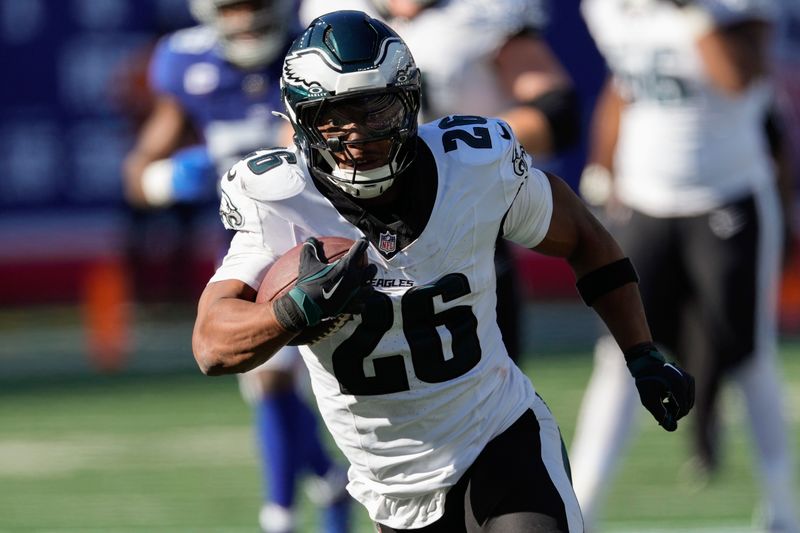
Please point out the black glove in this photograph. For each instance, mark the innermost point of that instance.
(666, 390)
(323, 290)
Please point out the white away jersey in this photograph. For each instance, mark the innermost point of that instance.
(454, 45)
(414, 388)
(684, 147)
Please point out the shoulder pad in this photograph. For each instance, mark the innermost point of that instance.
(193, 41)
(267, 175)
(471, 139)
(485, 145)
(515, 163)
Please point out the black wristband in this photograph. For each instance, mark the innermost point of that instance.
(638, 350)
(288, 314)
(605, 279)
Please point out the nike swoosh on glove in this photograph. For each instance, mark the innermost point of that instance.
(666, 390)
(323, 290)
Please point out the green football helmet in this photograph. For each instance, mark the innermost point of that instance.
(349, 68)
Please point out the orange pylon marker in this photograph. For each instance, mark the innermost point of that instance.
(790, 294)
(106, 298)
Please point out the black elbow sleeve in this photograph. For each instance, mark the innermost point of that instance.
(561, 108)
(774, 132)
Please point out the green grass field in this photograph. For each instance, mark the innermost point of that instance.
(174, 453)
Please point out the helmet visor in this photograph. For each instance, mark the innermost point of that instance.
(376, 115)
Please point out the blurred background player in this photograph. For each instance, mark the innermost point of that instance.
(786, 75)
(222, 79)
(484, 58)
(694, 201)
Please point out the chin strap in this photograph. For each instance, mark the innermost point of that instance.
(376, 180)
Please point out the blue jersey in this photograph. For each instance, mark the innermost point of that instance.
(230, 107)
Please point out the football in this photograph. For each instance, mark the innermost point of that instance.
(282, 275)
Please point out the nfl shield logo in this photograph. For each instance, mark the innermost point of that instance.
(388, 243)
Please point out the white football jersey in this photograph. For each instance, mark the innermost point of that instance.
(454, 45)
(413, 388)
(684, 147)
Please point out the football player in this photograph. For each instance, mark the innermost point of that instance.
(222, 78)
(680, 129)
(491, 60)
(442, 430)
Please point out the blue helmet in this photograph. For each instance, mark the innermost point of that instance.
(253, 41)
(346, 60)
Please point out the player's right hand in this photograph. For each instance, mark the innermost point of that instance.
(666, 390)
(323, 290)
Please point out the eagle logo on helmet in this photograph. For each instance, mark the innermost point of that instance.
(311, 68)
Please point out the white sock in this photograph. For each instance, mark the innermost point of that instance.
(761, 387)
(275, 519)
(603, 428)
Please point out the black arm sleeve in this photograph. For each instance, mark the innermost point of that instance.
(561, 107)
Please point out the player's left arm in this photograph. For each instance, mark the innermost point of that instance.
(775, 133)
(735, 54)
(576, 235)
(608, 283)
(546, 115)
